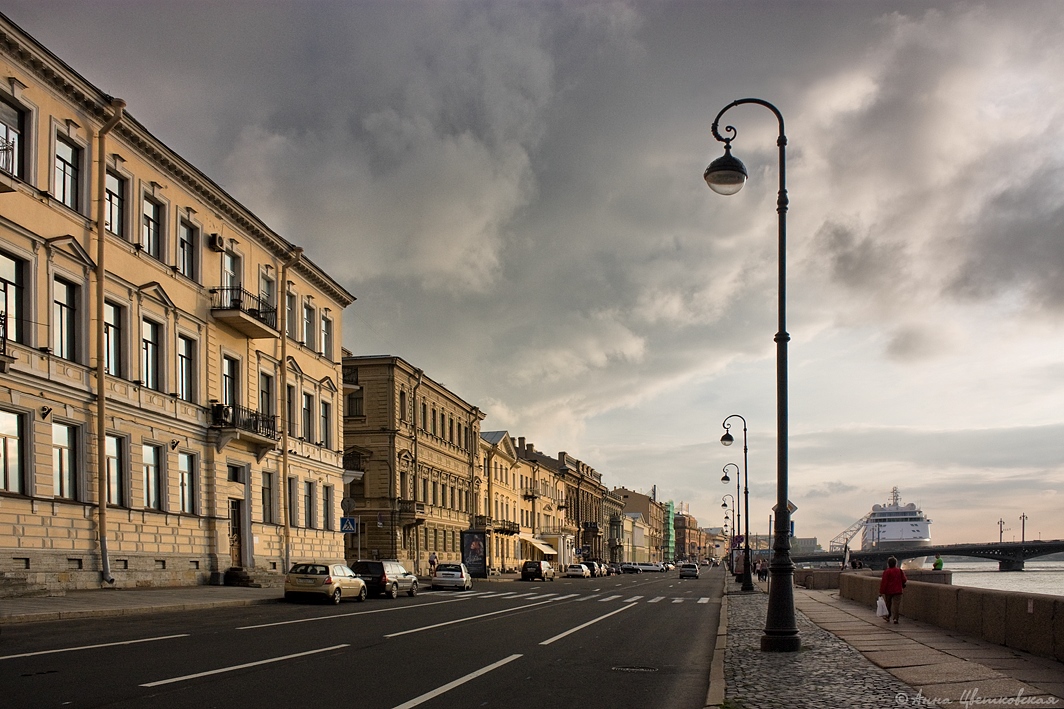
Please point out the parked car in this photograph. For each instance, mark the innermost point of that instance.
(593, 568)
(627, 568)
(327, 580)
(385, 577)
(615, 569)
(578, 571)
(688, 571)
(452, 576)
(532, 570)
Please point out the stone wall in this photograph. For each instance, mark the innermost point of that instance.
(1030, 622)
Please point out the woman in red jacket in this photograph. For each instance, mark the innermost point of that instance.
(890, 587)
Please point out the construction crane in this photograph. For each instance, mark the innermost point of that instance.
(841, 541)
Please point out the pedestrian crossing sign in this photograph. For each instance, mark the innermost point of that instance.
(349, 525)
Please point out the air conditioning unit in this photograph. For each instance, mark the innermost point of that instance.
(223, 415)
(216, 242)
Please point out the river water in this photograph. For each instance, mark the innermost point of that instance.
(1036, 577)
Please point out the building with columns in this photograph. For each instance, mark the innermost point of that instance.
(169, 364)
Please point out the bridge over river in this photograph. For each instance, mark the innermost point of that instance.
(1009, 555)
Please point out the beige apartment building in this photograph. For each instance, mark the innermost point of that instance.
(411, 452)
(654, 516)
(170, 375)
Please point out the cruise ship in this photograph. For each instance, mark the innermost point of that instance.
(896, 526)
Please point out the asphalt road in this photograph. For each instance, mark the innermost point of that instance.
(629, 641)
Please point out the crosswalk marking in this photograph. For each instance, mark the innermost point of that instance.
(703, 600)
(677, 600)
(632, 599)
(655, 600)
(607, 598)
(588, 598)
(562, 598)
(522, 595)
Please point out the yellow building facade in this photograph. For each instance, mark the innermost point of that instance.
(170, 376)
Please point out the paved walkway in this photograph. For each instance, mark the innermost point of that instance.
(851, 658)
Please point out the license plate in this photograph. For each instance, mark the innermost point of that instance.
(305, 582)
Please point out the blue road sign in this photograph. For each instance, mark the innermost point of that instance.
(349, 525)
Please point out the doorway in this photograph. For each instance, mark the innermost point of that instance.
(236, 536)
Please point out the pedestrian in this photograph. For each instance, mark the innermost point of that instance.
(891, 585)
(432, 564)
(937, 566)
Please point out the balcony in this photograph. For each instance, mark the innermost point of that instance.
(350, 380)
(482, 522)
(248, 314)
(507, 527)
(529, 493)
(6, 358)
(412, 513)
(238, 423)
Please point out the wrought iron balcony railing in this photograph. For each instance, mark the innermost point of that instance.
(245, 419)
(236, 298)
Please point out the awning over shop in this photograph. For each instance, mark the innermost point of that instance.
(539, 544)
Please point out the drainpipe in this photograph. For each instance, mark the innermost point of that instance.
(101, 371)
(413, 419)
(292, 260)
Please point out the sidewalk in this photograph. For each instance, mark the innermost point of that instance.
(851, 658)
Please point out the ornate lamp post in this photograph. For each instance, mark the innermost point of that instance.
(731, 516)
(726, 175)
(727, 440)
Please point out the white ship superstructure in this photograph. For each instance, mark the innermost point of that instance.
(896, 526)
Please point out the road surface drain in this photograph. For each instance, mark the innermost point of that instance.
(635, 669)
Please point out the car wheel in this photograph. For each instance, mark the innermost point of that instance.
(434, 587)
(362, 593)
(289, 597)
(413, 590)
(336, 596)
(393, 591)
(469, 586)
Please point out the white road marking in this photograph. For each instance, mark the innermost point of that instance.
(463, 620)
(632, 599)
(677, 600)
(588, 598)
(523, 595)
(451, 685)
(347, 615)
(590, 622)
(656, 600)
(703, 600)
(243, 666)
(93, 647)
(607, 598)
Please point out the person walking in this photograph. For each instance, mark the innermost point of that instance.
(432, 564)
(938, 563)
(891, 585)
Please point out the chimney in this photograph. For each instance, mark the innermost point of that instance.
(520, 442)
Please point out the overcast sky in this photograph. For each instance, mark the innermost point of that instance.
(514, 193)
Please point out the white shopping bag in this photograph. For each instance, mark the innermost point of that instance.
(881, 608)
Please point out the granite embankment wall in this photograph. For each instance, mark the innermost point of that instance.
(1031, 622)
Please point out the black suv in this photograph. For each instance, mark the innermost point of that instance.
(532, 570)
(385, 577)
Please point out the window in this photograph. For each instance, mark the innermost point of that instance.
(64, 461)
(151, 238)
(356, 403)
(11, 441)
(290, 409)
(266, 394)
(267, 498)
(115, 204)
(64, 312)
(308, 416)
(67, 172)
(327, 508)
(291, 322)
(450, 429)
(112, 339)
(152, 461)
(325, 344)
(424, 417)
(230, 374)
(116, 471)
(326, 424)
(186, 368)
(149, 349)
(433, 420)
(11, 275)
(267, 291)
(402, 406)
(293, 502)
(11, 130)
(231, 272)
(186, 482)
(308, 325)
(308, 504)
(187, 249)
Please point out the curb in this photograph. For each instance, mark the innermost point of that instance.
(717, 684)
(136, 610)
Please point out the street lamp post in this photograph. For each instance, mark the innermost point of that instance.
(727, 175)
(734, 519)
(738, 516)
(727, 440)
(1023, 528)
